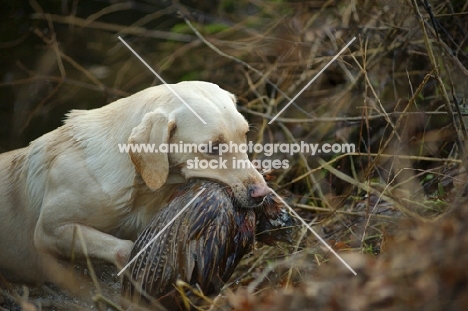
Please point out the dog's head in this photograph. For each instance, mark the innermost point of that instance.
(174, 124)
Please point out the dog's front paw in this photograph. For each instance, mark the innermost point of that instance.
(122, 254)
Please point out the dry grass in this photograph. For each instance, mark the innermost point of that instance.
(398, 93)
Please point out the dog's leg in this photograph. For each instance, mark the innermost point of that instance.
(82, 241)
(77, 208)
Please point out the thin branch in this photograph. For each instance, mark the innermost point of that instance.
(348, 119)
(136, 31)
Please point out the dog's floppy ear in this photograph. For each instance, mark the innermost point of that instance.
(155, 129)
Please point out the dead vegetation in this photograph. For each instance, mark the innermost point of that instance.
(398, 93)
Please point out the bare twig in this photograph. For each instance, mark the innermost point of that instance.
(136, 31)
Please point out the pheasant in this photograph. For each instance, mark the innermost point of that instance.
(202, 247)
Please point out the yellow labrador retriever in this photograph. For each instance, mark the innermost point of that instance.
(76, 176)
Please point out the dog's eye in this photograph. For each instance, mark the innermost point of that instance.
(214, 150)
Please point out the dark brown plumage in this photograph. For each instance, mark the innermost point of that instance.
(202, 247)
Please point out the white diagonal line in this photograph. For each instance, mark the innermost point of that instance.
(160, 232)
(315, 233)
(313, 79)
(162, 80)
